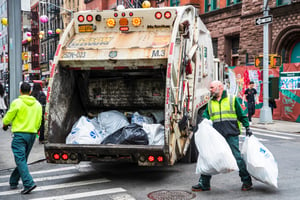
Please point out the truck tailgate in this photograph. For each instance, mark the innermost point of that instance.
(74, 153)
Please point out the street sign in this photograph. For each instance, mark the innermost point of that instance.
(263, 20)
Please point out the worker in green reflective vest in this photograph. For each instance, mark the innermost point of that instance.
(225, 112)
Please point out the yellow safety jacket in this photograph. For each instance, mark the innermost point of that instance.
(223, 115)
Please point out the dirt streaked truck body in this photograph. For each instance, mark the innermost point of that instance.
(129, 60)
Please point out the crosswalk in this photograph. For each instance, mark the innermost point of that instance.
(266, 135)
(80, 181)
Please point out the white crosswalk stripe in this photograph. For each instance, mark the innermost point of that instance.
(83, 194)
(266, 135)
(51, 191)
(53, 170)
(58, 186)
(274, 136)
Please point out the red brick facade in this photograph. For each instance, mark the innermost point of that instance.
(238, 21)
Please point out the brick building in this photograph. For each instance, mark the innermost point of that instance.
(237, 40)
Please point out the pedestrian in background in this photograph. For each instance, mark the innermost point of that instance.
(25, 116)
(37, 92)
(225, 111)
(2, 102)
(272, 104)
(251, 96)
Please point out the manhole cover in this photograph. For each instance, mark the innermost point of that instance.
(171, 195)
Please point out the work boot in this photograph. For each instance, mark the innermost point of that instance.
(246, 187)
(199, 187)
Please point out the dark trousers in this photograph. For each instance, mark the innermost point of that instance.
(233, 142)
(42, 130)
(251, 110)
(21, 146)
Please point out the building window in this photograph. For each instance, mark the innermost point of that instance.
(231, 50)
(215, 46)
(232, 2)
(174, 3)
(211, 5)
(235, 43)
(283, 2)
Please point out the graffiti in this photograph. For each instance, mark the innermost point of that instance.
(290, 83)
(288, 105)
(89, 41)
(74, 55)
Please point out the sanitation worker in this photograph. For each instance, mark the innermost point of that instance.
(224, 110)
(25, 116)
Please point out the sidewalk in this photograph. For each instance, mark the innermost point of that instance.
(7, 158)
(277, 125)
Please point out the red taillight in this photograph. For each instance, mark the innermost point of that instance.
(80, 18)
(89, 18)
(56, 156)
(123, 14)
(158, 15)
(116, 14)
(151, 158)
(65, 156)
(131, 14)
(160, 159)
(168, 15)
(124, 28)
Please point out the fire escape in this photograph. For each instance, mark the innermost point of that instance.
(34, 45)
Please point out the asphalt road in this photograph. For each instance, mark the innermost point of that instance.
(129, 182)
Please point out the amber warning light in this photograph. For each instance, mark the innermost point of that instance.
(85, 28)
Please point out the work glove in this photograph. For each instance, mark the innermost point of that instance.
(248, 132)
(5, 127)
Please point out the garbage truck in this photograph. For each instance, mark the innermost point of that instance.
(129, 60)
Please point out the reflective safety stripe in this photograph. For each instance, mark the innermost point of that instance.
(219, 120)
(223, 110)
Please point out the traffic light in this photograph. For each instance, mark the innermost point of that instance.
(275, 60)
(259, 61)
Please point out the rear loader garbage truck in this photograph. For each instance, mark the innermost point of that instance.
(151, 65)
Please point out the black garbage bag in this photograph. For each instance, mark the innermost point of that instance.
(131, 134)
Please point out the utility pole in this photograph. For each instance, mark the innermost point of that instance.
(265, 112)
(14, 47)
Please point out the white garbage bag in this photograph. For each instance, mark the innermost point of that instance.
(84, 132)
(110, 122)
(215, 155)
(260, 162)
(156, 133)
(141, 119)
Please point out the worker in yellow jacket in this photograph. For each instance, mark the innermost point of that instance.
(25, 116)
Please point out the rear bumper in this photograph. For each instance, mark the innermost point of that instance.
(74, 153)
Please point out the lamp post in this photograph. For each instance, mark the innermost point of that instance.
(15, 47)
(265, 113)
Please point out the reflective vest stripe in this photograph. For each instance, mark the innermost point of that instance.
(222, 110)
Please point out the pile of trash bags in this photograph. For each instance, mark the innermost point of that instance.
(113, 127)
